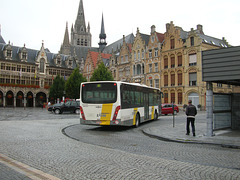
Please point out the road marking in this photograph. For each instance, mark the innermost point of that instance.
(25, 169)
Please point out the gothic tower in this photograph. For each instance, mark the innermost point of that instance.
(102, 36)
(80, 35)
(65, 47)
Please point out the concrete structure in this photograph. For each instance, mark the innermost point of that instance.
(222, 66)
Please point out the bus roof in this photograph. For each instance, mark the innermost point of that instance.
(121, 82)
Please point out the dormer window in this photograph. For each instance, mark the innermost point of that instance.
(9, 53)
(59, 61)
(24, 55)
(192, 41)
(70, 63)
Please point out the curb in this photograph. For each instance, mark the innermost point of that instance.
(189, 141)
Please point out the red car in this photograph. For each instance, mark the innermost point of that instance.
(168, 109)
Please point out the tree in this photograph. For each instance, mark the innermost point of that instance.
(57, 88)
(73, 83)
(102, 74)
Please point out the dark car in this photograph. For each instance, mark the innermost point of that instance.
(168, 109)
(50, 107)
(69, 106)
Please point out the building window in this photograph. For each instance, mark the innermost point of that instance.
(156, 67)
(142, 54)
(150, 68)
(19, 68)
(165, 97)
(179, 60)
(157, 83)
(42, 61)
(179, 79)
(121, 59)
(165, 63)
(192, 79)
(219, 84)
(9, 53)
(33, 70)
(126, 58)
(151, 83)
(192, 41)
(172, 43)
(138, 69)
(3, 66)
(172, 62)
(8, 67)
(192, 59)
(135, 56)
(166, 80)
(78, 41)
(172, 79)
(180, 98)
(138, 55)
(156, 53)
(172, 97)
(24, 55)
(28, 69)
(150, 53)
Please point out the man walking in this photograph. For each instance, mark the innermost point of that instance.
(191, 112)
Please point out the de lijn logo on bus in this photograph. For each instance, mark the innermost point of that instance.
(102, 114)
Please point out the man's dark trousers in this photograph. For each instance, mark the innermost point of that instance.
(192, 121)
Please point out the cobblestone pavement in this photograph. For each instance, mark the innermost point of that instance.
(41, 145)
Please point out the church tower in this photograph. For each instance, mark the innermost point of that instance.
(102, 36)
(66, 47)
(80, 35)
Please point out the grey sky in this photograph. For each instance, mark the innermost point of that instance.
(31, 21)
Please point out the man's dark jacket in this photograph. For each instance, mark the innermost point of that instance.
(191, 111)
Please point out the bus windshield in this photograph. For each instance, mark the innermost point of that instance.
(99, 93)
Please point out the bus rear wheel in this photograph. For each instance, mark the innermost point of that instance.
(137, 121)
(155, 116)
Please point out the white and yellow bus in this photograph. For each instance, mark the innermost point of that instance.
(118, 103)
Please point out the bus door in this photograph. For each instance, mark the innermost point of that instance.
(146, 106)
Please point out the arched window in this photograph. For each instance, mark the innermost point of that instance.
(172, 61)
(165, 79)
(172, 79)
(179, 78)
(179, 60)
(165, 62)
(42, 61)
(138, 69)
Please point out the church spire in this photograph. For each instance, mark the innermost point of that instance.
(66, 36)
(65, 47)
(102, 36)
(80, 25)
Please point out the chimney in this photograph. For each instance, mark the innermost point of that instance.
(200, 28)
(153, 29)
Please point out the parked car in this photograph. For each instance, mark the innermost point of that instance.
(69, 106)
(168, 109)
(50, 107)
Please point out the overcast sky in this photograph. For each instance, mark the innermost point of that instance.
(31, 21)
